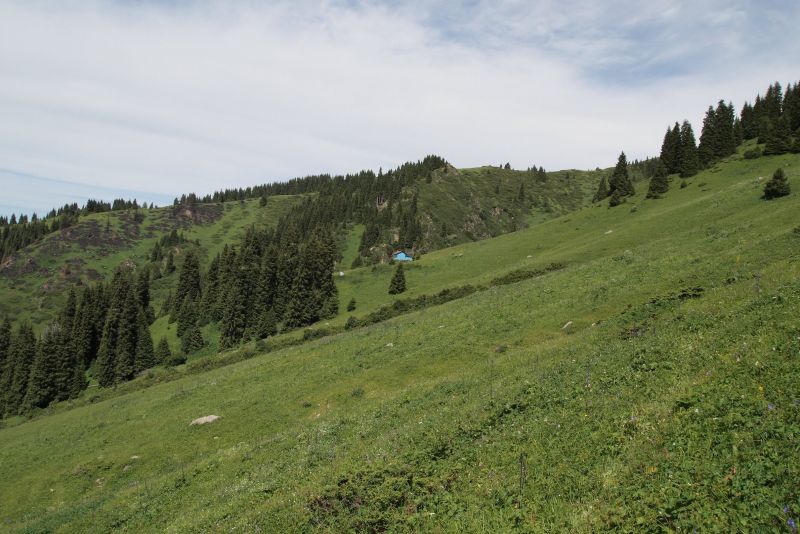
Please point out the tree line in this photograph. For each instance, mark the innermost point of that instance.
(774, 120)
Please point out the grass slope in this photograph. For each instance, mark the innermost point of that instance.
(649, 385)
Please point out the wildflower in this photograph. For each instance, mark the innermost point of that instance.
(786, 509)
(771, 406)
(792, 524)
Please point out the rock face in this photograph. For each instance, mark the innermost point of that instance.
(205, 420)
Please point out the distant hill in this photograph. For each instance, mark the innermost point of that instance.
(470, 204)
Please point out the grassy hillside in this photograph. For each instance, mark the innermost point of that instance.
(461, 205)
(650, 384)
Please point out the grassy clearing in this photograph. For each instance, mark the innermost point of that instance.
(648, 385)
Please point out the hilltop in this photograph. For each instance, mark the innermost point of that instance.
(627, 368)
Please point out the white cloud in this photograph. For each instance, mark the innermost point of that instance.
(201, 96)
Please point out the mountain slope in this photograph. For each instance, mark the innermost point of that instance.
(649, 384)
(34, 281)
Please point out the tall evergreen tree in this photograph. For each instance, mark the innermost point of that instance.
(41, 388)
(145, 355)
(163, 352)
(188, 281)
(398, 283)
(779, 139)
(602, 190)
(687, 160)
(659, 183)
(22, 353)
(143, 293)
(192, 341)
(706, 149)
(670, 148)
(620, 182)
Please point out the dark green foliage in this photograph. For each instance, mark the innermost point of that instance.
(351, 305)
(5, 360)
(188, 280)
(21, 353)
(670, 148)
(125, 345)
(615, 199)
(41, 389)
(659, 184)
(718, 138)
(145, 355)
(267, 325)
(169, 267)
(313, 294)
(143, 293)
(753, 153)
(687, 160)
(525, 274)
(262, 201)
(192, 341)
(777, 186)
(398, 283)
(163, 352)
(602, 190)
(778, 140)
(620, 184)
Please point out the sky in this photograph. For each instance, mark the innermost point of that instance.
(152, 99)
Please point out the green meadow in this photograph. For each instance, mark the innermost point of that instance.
(651, 384)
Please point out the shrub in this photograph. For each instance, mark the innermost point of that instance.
(753, 153)
(176, 359)
(777, 186)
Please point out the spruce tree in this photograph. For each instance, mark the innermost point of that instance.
(163, 352)
(670, 148)
(22, 353)
(777, 186)
(779, 139)
(145, 355)
(706, 148)
(398, 283)
(78, 382)
(143, 293)
(41, 390)
(267, 325)
(687, 160)
(192, 341)
(620, 182)
(659, 183)
(351, 305)
(188, 287)
(5, 343)
(127, 337)
(602, 190)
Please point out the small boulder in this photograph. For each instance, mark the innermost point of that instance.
(205, 420)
